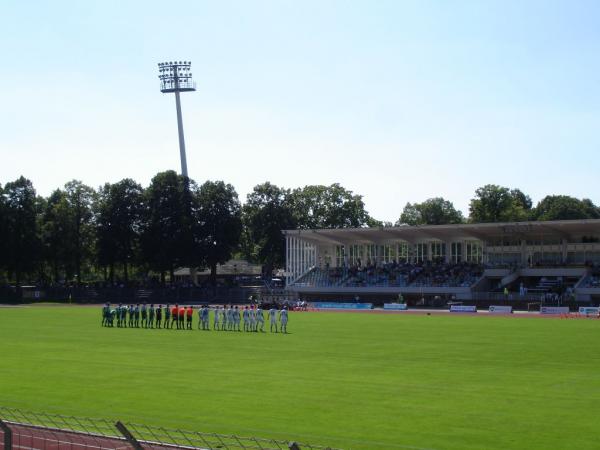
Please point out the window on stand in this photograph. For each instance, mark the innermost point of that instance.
(456, 255)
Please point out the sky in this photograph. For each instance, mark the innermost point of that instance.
(398, 101)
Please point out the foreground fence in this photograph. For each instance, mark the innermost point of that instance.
(40, 431)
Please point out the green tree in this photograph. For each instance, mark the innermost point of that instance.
(3, 232)
(592, 211)
(21, 238)
(119, 208)
(494, 203)
(80, 200)
(328, 207)
(220, 219)
(521, 200)
(162, 223)
(190, 238)
(265, 214)
(55, 236)
(434, 211)
(563, 207)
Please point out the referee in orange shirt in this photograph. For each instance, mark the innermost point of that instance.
(175, 316)
(189, 313)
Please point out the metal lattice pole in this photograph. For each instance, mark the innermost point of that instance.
(175, 77)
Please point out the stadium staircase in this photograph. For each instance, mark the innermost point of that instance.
(317, 277)
(143, 296)
(590, 281)
(93, 295)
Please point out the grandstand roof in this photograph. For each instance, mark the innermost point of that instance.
(482, 231)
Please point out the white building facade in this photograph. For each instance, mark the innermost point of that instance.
(505, 247)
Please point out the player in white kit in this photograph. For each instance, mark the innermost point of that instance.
(246, 319)
(236, 319)
(283, 319)
(223, 312)
(216, 320)
(273, 318)
(252, 316)
(260, 320)
(230, 318)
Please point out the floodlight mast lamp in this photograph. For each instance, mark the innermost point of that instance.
(176, 77)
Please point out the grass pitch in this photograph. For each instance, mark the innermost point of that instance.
(360, 381)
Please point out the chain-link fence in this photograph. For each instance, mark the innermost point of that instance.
(41, 431)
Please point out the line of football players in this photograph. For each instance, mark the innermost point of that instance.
(225, 318)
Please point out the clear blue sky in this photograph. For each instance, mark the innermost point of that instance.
(397, 101)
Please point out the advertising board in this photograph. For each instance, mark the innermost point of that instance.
(395, 306)
(589, 310)
(334, 305)
(463, 308)
(554, 310)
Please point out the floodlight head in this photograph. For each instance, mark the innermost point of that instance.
(175, 76)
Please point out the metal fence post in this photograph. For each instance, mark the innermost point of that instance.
(130, 437)
(7, 435)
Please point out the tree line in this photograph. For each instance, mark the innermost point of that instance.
(123, 231)
(493, 203)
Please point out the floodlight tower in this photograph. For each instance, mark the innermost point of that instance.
(176, 77)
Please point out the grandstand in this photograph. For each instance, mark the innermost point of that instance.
(523, 260)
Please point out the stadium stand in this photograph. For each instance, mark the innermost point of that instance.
(527, 260)
(394, 275)
(593, 281)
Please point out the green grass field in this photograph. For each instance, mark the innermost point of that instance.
(361, 381)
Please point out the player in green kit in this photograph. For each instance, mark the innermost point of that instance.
(144, 316)
(131, 316)
(151, 316)
(158, 316)
(122, 313)
(111, 317)
(167, 316)
(118, 315)
(105, 313)
(136, 316)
